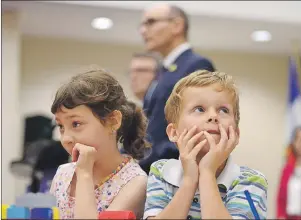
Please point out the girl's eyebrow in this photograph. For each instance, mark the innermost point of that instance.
(70, 116)
(74, 116)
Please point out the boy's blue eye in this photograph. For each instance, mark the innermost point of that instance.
(199, 109)
(224, 110)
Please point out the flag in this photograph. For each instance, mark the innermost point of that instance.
(294, 101)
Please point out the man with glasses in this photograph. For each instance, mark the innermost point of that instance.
(164, 29)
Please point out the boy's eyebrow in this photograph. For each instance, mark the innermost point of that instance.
(226, 104)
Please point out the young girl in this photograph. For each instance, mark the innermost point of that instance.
(93, 115)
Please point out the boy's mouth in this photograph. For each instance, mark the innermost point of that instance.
(213, 132)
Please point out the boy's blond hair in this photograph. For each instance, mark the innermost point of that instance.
(200, 78)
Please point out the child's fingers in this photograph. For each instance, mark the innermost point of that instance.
(193, 141)
(232, 139)
(197, 148)
(210, 139)
(180, 139)
(74, 154)
(77, 150)
(188, 136)
(224, 136)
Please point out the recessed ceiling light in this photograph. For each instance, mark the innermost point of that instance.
(102, 23)
(261, 36)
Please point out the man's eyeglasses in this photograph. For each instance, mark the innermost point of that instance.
(142, 70)
(151, 21)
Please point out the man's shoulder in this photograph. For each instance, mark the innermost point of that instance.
(201, 60)
(196, 61)
(196, 57)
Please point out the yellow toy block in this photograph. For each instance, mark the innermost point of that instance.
(4, 208)
(55, 213)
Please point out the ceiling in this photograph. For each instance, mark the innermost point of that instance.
(214, 25)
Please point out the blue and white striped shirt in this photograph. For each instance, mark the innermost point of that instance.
(237, 186)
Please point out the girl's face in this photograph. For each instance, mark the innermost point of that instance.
(80, 125)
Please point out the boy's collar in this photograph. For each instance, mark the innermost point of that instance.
(173, 173)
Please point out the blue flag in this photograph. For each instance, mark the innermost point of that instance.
(294, 101)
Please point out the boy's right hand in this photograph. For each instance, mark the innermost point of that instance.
(189, 147)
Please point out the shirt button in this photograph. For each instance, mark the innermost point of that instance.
(195, 200)
(189, 217)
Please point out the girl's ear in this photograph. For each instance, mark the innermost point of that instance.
(115, 120)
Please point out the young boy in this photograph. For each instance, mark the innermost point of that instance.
(203, 116)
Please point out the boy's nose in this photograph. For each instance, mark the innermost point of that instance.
(212, 117)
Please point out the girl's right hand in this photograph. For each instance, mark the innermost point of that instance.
(84, 156)
(189, 147)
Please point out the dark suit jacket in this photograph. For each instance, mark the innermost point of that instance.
(162, 148)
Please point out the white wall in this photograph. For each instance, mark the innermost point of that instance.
(11, 120)
(261, 78)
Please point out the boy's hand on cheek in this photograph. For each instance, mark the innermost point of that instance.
(189, 147)
(84, 156)
(218, 153)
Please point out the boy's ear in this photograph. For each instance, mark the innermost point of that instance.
(172, 132)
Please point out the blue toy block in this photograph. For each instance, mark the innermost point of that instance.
(41, 213)
(16, 212)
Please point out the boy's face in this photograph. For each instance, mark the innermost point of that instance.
(205, 107)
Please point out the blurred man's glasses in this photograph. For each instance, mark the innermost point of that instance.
(142, 70)
(151, 21)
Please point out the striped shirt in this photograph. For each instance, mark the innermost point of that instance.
(234, 183)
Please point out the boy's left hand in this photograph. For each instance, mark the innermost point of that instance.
(218, 153)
